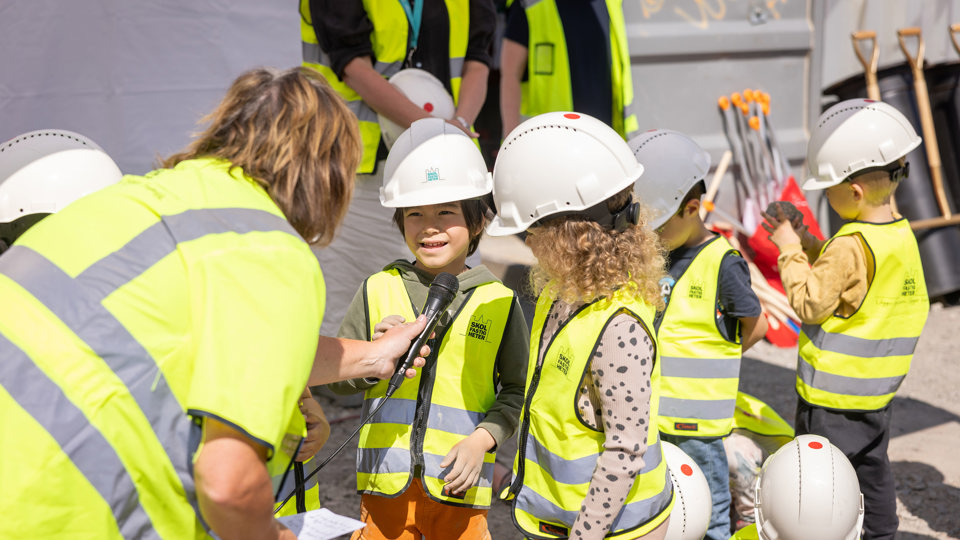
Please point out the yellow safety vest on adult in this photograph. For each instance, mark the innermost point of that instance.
(451, 407)
(390, 41)
(700, 368)
(858, 363)
(556, 458)
(114, 346)
(548, 85)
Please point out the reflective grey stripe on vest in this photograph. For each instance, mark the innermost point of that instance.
(97, 460)
(362, 111)
(398, 411)
(704, 409)
(453, 420)
(431, 468)
(848, 386)
(383, 460)
(700, 368)
(578, 471)
(77, 302)
(456, 67)
(631, 515)
(313, 54)
(859, 347)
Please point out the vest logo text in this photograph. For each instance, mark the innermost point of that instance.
(433, 174)
(563, 361)
(478, 327)
(551, 528)
(696, 290)
(686, 426)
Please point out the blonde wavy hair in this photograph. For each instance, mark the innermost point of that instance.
(293, 134)
(581, 261)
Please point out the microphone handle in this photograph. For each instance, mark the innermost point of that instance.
(397, 379)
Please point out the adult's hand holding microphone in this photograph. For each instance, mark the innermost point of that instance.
(442, 291)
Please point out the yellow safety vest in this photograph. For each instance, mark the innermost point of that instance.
(858, 362)
(106, 372)
(757, 417)
(424, 419)
(700, 368)
(558, 452)
(308, 499)
(390, 44)
(747, 533)
(548, 88)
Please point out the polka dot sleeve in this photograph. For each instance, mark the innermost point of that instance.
(615, 398)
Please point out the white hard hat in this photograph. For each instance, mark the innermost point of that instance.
(672, 164)
(808, 489)
(425, 91)
(690, 517)
(433, 162)
(43, 171)
(854, 135)
(556, 163)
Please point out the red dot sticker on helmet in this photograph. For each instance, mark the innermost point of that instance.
(572, 116)
(428, 106)
(686, 470)
(815, 445)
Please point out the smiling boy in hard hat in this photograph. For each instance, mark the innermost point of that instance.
(712, 314)
(861, 295)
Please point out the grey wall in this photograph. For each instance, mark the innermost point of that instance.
(134, 76)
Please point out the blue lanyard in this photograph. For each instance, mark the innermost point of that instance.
(414, 15)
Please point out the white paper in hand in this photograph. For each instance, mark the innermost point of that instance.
(320, 524)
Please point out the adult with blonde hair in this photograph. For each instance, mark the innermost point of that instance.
(158, 333)
(589, 463)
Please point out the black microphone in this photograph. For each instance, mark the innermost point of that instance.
(439, 297)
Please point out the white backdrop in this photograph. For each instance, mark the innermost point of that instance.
(134, 76)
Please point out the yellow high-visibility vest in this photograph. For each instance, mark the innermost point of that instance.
(700, 368)
(548, 87)
(558, 452)
(390, 42)
(117, 340)
(858, 362)
(424, 419)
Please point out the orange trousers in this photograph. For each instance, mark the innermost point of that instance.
(415, 516)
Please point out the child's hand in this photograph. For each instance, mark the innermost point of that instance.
(467, 459)
(781, 229)
(387, 323)
(318, 428)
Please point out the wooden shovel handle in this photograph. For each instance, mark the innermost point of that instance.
(954, 28)
(916, 62)
(869, 66)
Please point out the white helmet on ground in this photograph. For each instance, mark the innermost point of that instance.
(433, 162)
(672, 164)
(854, 135)
(559, 162)
(808, 489)
(690, 517)
(425, 91)
(43, 171)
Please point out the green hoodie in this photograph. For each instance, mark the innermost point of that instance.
(502, 418)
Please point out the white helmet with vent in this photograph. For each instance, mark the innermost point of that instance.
(433, 162)
(425, 91)
(690, 517)
(558, 162)
(43, 171)
(808, 489)
(854, 135)
(672, 164)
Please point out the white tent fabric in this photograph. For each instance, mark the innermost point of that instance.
(132, 75)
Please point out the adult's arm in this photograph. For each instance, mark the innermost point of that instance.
(339, 359)
(473, 92)
(513, 62)
(233, 486)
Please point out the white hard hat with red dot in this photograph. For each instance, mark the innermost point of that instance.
(558, 162)
(690, 517)
(425, 91)
(808, 489)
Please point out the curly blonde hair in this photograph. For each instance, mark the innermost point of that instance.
(582, 261)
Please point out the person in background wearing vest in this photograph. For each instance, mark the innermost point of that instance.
(157, 334)
(426, 459)
(589, 463)
(711, 317)
(566, 55)
(861, 294)
(357, 45)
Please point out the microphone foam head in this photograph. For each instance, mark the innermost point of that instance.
(447, 281)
